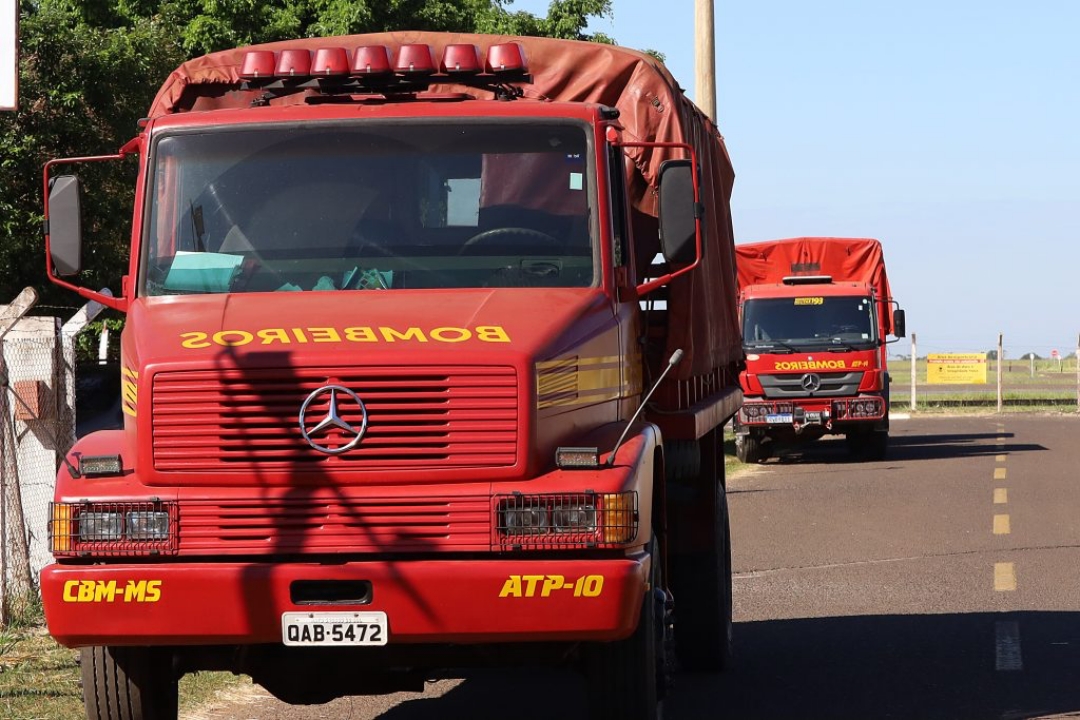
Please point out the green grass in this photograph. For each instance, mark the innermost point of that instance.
(39, 679)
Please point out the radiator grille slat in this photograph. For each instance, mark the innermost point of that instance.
(284, 526)
(418, 417)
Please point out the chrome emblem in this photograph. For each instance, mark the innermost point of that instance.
(811, 382)
(333, 419)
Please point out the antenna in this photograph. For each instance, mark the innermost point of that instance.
(672, 362)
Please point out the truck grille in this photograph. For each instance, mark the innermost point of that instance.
(790, 386)
(312, 524)
(418, 417)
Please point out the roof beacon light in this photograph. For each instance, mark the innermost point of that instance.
(808, 279)
(415, 60)
(506, 58)
(294, 63)
(258, 64)
(371, 60)
(461, 59)
(330, 61)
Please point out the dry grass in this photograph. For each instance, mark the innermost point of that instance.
(39, 679)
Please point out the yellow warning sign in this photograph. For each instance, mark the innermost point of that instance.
(956, 369)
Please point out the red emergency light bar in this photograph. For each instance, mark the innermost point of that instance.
(506, 58)
(461, 59)
(330, 61)
(413, 61)
(293, 63)
(258, 64)
(371, 60)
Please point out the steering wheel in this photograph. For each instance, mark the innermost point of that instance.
(502, 235)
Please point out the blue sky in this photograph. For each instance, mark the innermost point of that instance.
(949, 130)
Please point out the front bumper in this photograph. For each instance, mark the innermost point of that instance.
(812, 411)
(426, 601)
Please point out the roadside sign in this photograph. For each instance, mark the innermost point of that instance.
(1055, 354)
(9, 54)
(956, 368)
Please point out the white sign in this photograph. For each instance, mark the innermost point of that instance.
(9, 54)
(1055, 354)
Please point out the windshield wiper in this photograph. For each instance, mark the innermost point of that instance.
(772, 344)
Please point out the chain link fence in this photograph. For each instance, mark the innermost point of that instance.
(37, 428)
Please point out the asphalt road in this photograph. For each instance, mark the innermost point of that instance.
(943, 582)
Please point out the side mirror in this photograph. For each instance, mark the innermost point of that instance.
(678, 212)
(65, 225)
(899, 329)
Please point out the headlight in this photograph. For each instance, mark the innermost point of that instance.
(90, 529)
(559, 520)
(574, 518)
(144, 525)
(100, 526)
(520, 521)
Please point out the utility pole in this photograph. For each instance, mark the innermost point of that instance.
(705, 58)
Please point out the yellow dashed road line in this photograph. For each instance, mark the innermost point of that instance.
(1001, 525)
(1001, 496)
(1004, 577)
(999, 473)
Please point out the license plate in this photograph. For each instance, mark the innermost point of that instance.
(778, 419)
(334, 628)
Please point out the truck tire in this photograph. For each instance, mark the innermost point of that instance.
(628, 678)
(868, 444)
(128, 683)
(748, 449)
(703, 620)
(877, 445)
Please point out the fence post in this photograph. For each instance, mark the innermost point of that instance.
(9, 317)
(1001, 357)
(914, 359)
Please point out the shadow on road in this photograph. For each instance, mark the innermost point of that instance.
(908, 447)
(902, 667)
(908, 667)
(958, 445)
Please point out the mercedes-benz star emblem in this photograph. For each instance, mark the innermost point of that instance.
(333, 419)
(811, 382)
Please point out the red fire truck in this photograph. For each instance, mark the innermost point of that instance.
(816, 315)
(404, 390)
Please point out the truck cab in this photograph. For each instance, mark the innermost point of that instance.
(388, 377)
(816, 316)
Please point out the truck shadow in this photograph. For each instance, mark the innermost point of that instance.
(912, 667)
(905, 667)
(908, 447)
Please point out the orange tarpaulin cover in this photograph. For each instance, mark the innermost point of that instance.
(702, 309)
(844, 259)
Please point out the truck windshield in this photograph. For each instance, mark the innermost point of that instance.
(809, 322)
(335, 207)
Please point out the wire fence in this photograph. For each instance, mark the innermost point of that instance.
(36, 430)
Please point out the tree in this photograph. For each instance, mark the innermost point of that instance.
(88, 71)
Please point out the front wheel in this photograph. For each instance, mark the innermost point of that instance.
(128, 683)
(628, 678)
(868, 444)
(702, 583)
(749, 449)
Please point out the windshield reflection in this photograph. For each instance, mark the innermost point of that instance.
(791, 324)
(413, 205)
